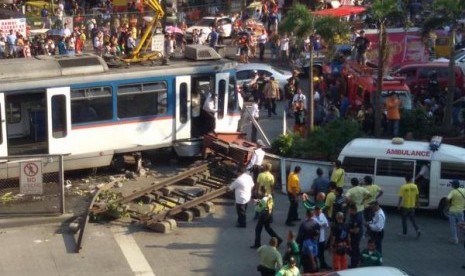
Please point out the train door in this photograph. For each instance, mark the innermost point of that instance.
(183, 108)
(221, 90)
(58, 120)
(3, 140)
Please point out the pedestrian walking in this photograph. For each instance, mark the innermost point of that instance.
(456, 200)
(242, 188)
(270, 258)
(266, 179)
(264, 208)
(262, 39)
(408, 201)
(293, 190)
(272, 95)
(376, 226)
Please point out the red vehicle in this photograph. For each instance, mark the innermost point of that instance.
(361, 86)
(417, 75)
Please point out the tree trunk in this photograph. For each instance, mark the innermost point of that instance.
(379, 109)
(447, 120)
(310, 104)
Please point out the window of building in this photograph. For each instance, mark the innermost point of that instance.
(142, 99)
(91, 104)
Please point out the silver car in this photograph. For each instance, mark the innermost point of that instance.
(245, 74)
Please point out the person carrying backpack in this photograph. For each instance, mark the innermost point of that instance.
(264, 207)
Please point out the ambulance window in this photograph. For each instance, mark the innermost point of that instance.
(452, 171)
(397, 168)
(359, 165)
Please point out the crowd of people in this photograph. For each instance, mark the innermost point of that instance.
(337, 220)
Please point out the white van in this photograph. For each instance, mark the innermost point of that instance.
(389, 161)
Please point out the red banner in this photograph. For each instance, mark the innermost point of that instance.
(404, 46)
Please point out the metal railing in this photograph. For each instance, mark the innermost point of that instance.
(32, 185)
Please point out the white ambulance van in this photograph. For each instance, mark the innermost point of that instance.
(433, 166)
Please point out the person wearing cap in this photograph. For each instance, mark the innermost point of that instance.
(361, 44)
(375, 193)
(456, 200)
(271, 92)
(408, 201)
(376, 226)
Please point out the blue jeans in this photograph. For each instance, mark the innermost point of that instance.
(454, 218)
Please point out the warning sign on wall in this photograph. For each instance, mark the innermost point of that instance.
(31, 178)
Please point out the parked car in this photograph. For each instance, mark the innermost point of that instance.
(417, 75)
(369, 271)
(206, 23)
(245, 74)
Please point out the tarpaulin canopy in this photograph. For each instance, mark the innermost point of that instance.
(341, 11)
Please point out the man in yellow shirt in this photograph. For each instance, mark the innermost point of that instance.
(338, 174)
(293, 190)
(456, 199)
(330, 199)
(375, 193)
(408, 200)
(266, 179)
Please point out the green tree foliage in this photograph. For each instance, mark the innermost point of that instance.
(324, 143)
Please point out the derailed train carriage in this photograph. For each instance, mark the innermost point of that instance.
(78, 106)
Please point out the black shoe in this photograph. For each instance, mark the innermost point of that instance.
(255, 246)
(290, 224)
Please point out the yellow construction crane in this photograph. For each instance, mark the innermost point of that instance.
(137, 55)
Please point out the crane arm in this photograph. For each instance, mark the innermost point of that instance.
(136, 55)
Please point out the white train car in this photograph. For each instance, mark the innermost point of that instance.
(78, 106)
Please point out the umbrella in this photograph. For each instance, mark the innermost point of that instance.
(173, 29)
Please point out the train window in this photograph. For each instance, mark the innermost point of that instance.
(232, 95)
(359, 165)
(142, 99)
(452, 171)
(397, 168)
(91, 104)
(13, 112)
(183, 103)
(59, 116)
(221, 98)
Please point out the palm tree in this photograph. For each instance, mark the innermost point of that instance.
(446, 12)
(303, 23)
(380, 11)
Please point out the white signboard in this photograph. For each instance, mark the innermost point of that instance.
(31, 178)
(158, 42)
(17, 25)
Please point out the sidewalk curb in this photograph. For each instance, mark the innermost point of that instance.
(12, 222)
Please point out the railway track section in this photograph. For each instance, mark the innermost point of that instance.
(182, 197)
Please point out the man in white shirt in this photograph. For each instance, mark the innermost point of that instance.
(376, 225)
(321, 219)
(208, 110)
(242, 187)
(255, 163)
(299, 96)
